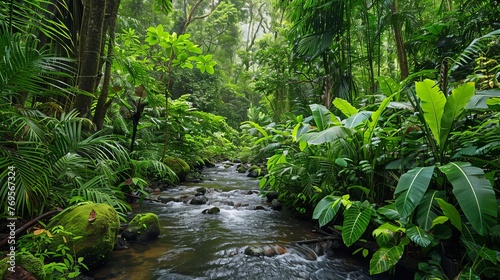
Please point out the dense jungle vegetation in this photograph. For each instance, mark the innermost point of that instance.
(378, 118)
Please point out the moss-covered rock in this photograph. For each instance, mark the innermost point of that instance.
(29, 262)
(97, 235)
(179, 166)
(3, 267)
(143, 227)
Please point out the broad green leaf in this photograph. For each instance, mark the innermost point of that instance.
(474, 193)
(210, 69)
(432, 102)
(419, 236)
(451, 212)
(341, 162)
(356, 220)
(299, 129)
(345, 107)
(478, 101)
(357, 118)
(412, 185)
(426, 213)
(375, 117)
(326, 209)
(326, 136)
(385, 258)
(455, 104)
(439, 220)
(389, 211)
(468, 273)
(321, 116)
(385, 233)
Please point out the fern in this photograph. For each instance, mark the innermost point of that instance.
(476, 46)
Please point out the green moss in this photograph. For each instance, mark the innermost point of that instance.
(98, 237)
(26, 261)
(32, 264)
(179, 166)
(3, 267)
(143, 227)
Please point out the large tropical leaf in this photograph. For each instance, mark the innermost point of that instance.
(375, 117)
(419, 236)
(412, 185)
(474, 193)
(321, 115)
(478, 101)
(326, 209)
(328, 135)
(345, 107)
(451, 212)
(356, 220)
(357, 118)
(427, 209)
(432, 102)
(385, 258)
(455, 104)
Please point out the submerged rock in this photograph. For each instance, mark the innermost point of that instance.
(265, 250)
(199, 200)
(270, 195)
(201, 190)
(213, 210)
(143, 227)
(96, 223)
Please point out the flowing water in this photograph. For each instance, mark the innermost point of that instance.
(193, 245)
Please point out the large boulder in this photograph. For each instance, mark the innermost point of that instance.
(143, 227)
(179, 166)
(27, 265)
(96, 223)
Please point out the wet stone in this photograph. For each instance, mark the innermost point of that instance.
(199, 200)
(213, 210)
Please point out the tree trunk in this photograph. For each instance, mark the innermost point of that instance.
(397, 25)
(100, 110)
(90, 54)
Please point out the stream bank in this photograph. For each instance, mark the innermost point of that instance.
(193, 245)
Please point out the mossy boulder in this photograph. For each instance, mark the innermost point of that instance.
(143, 227)
(97, 235)
(179, 166)
(28, 262)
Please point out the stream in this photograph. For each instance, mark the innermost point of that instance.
(193, 245)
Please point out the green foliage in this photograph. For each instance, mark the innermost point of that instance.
(474, 194)
(59, 264)
(60, 165)
(413, 184)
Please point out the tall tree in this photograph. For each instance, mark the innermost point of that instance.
(89, 57)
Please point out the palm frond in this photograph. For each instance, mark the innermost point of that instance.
(476, 46)
(32, 176)
(26, 67)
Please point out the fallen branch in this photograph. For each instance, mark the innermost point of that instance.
(30, 224)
